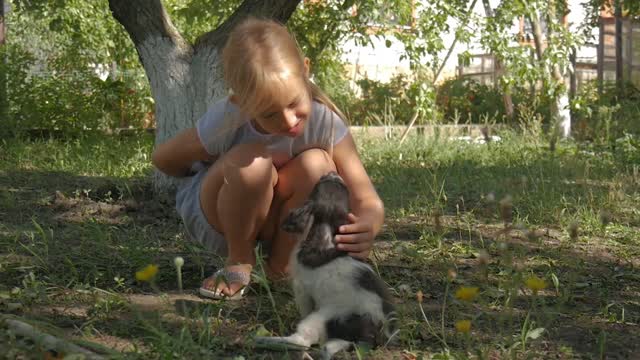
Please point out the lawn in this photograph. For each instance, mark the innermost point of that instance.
(501, 250)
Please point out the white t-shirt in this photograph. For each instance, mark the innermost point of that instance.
(223, 122)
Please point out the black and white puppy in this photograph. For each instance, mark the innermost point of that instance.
(341, 299)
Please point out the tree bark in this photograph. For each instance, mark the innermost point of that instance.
(559, 107)
(185, 78)
(618, 36)
(562, 100)
(506, 96)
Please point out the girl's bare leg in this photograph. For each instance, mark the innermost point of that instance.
(295, 181)
(235, 197)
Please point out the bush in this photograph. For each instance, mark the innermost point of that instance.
(383, 103)
(329, 75)
(607, 117)
(70, 101)
(467, 101)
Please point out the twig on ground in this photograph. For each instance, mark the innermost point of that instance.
(47, 341)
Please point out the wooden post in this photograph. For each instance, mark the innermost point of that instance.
(573, 86)
(494, 71)
(533, 85)
(2, 26)
(618, 16)
(601, 56)
(482, 70)
(629, 49)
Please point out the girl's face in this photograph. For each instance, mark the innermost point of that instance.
(288, 114)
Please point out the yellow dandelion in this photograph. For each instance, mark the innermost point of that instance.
(463, 326)
(148, 273)
(467, 293)
(535, 284)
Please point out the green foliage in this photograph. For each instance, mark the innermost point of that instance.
(82, 35)
(593, 8)
(70, 101)
(52, 85)
(321, 27)
(378, 99)
(391, 103)
(468, 101)
(465, 100)
(423, 44)
(607, 117)
(518, 60)
(72, 34)
(456, 101)
(197, 17)
(423, 41)
(51, 79)
(330, 76)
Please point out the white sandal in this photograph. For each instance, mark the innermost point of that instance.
(228, 277)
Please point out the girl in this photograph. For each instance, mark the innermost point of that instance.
(263, 149)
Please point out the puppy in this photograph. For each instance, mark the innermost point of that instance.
(341, 299)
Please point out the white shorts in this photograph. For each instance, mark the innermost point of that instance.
(195, 222)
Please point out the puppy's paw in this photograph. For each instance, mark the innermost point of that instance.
(333, 346)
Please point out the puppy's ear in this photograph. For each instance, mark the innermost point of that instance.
(297, 219)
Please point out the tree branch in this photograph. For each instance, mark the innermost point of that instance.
(144, 19)
(332, 29)
(537, 33)
(279, 10)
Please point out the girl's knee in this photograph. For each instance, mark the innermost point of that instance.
(301, 173)
(249, 166)
(314, 161)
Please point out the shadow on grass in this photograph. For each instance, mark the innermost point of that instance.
(594, 307)
(88, 230)
(74, 230)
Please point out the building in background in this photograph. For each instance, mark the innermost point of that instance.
(381, 62)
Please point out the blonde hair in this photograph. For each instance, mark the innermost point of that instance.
(258, 55)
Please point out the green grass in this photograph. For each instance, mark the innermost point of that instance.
(79, 218)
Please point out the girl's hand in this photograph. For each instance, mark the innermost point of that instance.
(356, 237)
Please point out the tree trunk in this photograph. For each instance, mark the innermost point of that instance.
(562, 100)
(618, 36)
(560, 106)
(499, 69)
(185, 78)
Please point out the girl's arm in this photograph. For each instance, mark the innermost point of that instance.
(176, 156)
(366, 205)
